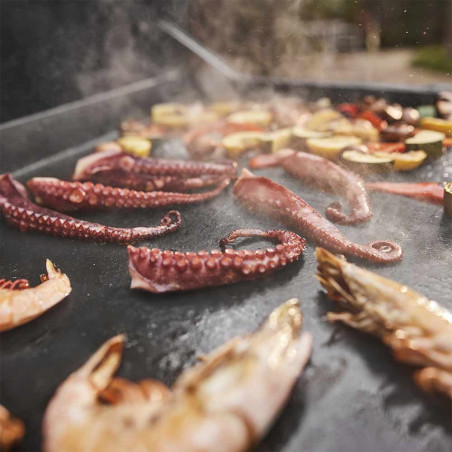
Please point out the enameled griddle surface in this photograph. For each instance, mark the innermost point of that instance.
(353, 395)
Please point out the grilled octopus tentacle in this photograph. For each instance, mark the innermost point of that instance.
(262, 194)
(324, 174)
(69, 196)
(108, 161)
(20, 212)
(164, 271)
(16, 284)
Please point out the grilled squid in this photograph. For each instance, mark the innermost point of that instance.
(418, 330)
(21, 305)
(226, 403)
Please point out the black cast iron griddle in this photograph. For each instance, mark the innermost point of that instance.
(353, 395)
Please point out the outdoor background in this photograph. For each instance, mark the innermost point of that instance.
(57, 51)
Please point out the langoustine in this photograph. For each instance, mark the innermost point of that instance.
(263, 195)
(426, 191)
(224, 404)
(21, 306)
(324, 174)
(417, 329)
(164, 271)
(21, 213)
(12, 429)
(137, 173)
(70, 196)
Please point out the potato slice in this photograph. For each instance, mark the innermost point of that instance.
(321, 120)
(237, 143)
(405, 161)
(440, 125)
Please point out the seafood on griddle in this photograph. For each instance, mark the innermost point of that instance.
(224, 403)
(418, 330)
(21, 306)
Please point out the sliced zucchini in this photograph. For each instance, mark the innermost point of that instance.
(447, 200)
(300, 135)
(426, 111)
(427, 140)
(237, 143)
(360, 128)
(274, 141)
(438, 124)
(361, 162)
(404, 161)
(139, 146)
(321, 120)
(330, 147)
(257, 117)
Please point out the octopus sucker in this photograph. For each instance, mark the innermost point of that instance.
(418, 330)
(16, 284)
(21, 213)
(117, 168)
(70, 196)
(262, 195)
(21, 306)
(12, 429)
(225, 403)
(165, 271)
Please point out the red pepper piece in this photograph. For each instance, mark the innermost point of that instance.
(349, 110)
(375, 120)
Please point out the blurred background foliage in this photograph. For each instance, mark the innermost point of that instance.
(285, 37)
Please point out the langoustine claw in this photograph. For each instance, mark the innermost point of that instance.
(70, 196)
(21, 213)
(166, 271)
(263, 195)
(12, 429)
(417, 329)
(124, 170)
(224, 404)
(326, 175)
(426, 191)
(21, 306)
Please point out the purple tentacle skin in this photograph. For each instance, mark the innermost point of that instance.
(70, 196)
(21, 213)
(167, 271)
(263, 195)
(324, 174)
(119, 169)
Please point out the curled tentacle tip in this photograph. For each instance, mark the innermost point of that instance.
(388, 249)
(172, 218)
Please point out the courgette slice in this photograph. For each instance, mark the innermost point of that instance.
(361, 162)
(447, 200)
(300, 135)
(139, 146)
(427, 140)
(257, 117)
(438, 124)
(330, 147)
(237, 143)
(404, 161)
(321, 120)
(426, 111)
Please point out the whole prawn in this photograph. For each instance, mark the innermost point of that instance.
(21, 306)
(225, 403)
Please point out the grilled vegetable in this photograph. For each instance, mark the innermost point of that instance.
(396, 132)
(141, 147)
(375, 120)
(438, 124)
(330, 147)
(321, 121)
(426, 111)
(237, 143)
(360, 128)
(429, 141)
(258, 117)
(274, 141)
(300, 135)
(404, 161)
(363, 162)
(447, 200)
